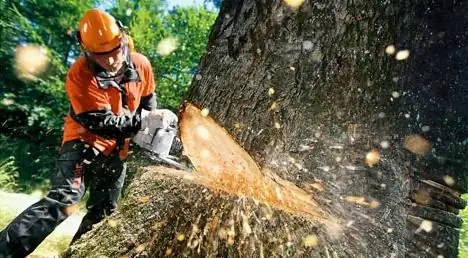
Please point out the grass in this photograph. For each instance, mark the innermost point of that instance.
(5, 217)
(53, 246)
(463, 246)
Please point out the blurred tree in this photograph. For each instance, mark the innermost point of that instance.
(190, 28)
(149, 24)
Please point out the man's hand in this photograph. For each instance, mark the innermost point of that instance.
(136, 122)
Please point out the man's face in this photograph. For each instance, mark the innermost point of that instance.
(111, 62)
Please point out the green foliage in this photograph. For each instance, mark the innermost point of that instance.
(190, 26)
(52, 23)
(8, 174)
(34, 162)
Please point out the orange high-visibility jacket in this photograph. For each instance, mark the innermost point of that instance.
(101, 114)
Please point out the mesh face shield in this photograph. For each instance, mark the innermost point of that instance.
(127, 73)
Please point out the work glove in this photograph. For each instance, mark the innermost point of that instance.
(135, 123)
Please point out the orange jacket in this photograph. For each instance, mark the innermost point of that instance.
(93, 106)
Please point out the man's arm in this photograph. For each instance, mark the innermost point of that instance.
(107, 124)
(91, 109)
(149, 102)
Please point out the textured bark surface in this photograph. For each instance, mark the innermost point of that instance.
(312, 95)
(165, 214)
(338, 95)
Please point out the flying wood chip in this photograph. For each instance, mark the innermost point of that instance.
(31, 61)
(221, 163)
(210, 147)
(417, 144)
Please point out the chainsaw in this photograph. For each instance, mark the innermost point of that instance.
(158, 139)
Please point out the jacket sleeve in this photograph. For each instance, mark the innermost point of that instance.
(148, 96)
(148, 102)
(107, 124)
(91, 108)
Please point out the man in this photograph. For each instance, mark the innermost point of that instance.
(108, 87)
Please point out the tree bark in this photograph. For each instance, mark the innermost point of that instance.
(317, 97)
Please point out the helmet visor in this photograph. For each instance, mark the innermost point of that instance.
(111, 61)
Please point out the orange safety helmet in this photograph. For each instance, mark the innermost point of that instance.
(99, 32)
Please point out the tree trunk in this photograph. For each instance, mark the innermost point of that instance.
(318, 98)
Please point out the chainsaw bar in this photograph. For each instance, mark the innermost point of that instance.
(182, 163)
